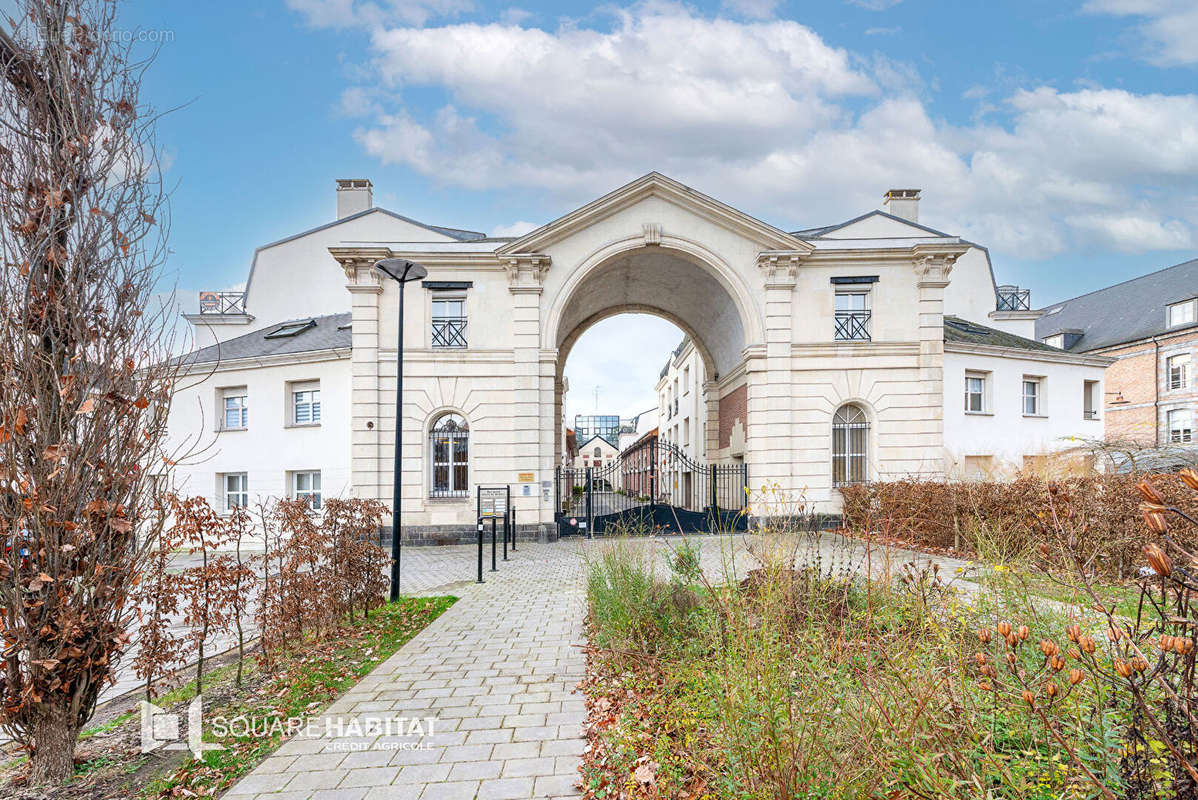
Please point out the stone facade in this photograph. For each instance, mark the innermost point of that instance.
(760, 306)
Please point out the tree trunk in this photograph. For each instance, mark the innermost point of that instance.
(53, 758)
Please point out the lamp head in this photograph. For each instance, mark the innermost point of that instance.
(401, 269)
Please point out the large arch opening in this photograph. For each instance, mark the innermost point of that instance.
(698, 296)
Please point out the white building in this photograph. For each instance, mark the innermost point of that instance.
(681, 413)
(820, 356)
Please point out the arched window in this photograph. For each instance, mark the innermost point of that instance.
(598, 452)
(449, 450)
(850, 445)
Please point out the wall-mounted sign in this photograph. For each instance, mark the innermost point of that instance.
(526, 477)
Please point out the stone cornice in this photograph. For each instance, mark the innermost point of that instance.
(934, 263)
(781, 268)
(262, 362)
(358, 262)
(526, 272)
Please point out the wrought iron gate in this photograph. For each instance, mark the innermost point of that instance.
(654, 484)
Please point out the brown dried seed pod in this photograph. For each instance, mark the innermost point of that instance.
(1113, 633)
(1149, 492)
(1073, 632)
(1011, 640)
(980, 658)
(1158, 559)
(984, 635)
(1155, 521)
(985, 686)
(1011, 659)
(1189, 476)
(1123, 668)
(1057, 663)
(1087, 645)
(1076, 676)
(1166, 641)
(1023, 632)
(1004, 629)
(1050, 689)
(1028, 698)
(1139, 664)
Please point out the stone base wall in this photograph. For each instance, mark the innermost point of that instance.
(435, 535)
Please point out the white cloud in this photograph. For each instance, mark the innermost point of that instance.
(367, 13)
(750, 9)
(769, 117)
(518, 228)
(1169, 29)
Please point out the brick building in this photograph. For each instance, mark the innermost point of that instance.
(1149, 325)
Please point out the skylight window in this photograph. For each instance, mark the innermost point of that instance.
(291, 329)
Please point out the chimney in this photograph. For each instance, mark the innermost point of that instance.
(903, 203)
(354, 195)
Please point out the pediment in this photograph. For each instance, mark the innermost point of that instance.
(656, 185)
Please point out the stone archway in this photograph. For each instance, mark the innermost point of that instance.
(664, 281)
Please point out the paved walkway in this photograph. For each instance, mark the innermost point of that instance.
(496, 674)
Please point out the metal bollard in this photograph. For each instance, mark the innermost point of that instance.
(480, 551)
(494, 568)
(505, 535)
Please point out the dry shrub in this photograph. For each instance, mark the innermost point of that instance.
(947, 514)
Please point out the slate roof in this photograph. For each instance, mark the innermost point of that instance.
(1125, 312)
(329, 333)
(965, 332)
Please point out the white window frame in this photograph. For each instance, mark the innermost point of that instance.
(983, 394)
(313, 491)
(241, 492)
(453, 296)
(1179, 425)
(1056, 340)
(866, 295)
(1092, 397)
(854, 463)
(309, 391)
(1036, 396)
(1177, 372)
(451, 489)
(235, 393)
(1182, 313)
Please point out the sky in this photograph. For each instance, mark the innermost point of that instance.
(1062, 134)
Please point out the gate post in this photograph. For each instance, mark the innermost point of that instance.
(653, 474)
(715, 506)
(590, 508)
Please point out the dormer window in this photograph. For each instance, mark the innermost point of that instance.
(1057, 341)
(1183, 313)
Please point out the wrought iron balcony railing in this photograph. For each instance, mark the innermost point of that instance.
(449, 332)
(222, 302)
(1012, 298)
(852, 326)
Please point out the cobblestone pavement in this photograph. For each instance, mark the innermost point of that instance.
(496, 674)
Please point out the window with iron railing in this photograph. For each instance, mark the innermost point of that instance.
(852, 316)
(1012, 298)
(222, 302)
(449, 322)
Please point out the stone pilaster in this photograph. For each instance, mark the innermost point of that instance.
(711, 403)
(769, 422)
(371, 478)
(932, 269)
(533, 392)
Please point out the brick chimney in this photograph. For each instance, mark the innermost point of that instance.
(903, 203)
(354, 195)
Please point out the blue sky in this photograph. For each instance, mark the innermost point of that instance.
(1063, 135)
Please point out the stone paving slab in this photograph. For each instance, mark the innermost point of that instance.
(490, 683)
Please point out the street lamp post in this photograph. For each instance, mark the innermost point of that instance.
(400, 270)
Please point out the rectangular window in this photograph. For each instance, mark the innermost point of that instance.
(449, 321)
(1057, 340)
(236, 409)
(1031, 397)
(305, 406)
(1178, 371)
(235, 486)
(1090, 399)
(852, 316)
(686, 380)
(1180, 422)
(975, 393)
(1182, 313)
(686, 430)
(306, 486)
